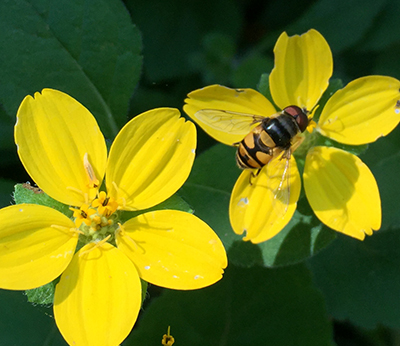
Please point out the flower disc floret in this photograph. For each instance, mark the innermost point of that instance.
(97, 221)
(106, 206)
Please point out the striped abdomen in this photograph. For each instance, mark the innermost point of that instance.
(267, 140)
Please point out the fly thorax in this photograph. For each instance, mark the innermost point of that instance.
(282, 129)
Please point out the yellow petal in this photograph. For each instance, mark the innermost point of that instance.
(173, 249)
(36, 245)
(342, 191)
(98, 297)
(262, 208)
(217, 97)
(150, 158)
(303, 66)
(366, 109)
(53, 133)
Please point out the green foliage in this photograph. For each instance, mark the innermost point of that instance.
(361, 280)
(209, 195)
(383, 158)
(263, 87)
(334, 85)
(43, 295)
(174, 202)
(247, 74)
(256, 306)
(335, 22)
(25, 324)
(173, 30)
(26, 193)
(89, 50)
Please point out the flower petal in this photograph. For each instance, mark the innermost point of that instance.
(364, 110)
(173, 249)
(98, 297)
(263, 207)
(303, 66)
(36, 245)
(218, 97)
(53, 133)
(342, 191)
(150, 158)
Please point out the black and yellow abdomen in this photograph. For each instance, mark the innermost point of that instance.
(268, 139)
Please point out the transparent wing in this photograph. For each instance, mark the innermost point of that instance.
(279, 176)
(227, 121)
(262, 204)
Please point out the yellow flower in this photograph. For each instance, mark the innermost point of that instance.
(339, 186)
(98, 297)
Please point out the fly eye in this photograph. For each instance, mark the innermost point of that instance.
(299, 115)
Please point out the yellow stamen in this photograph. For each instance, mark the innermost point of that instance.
(67, 230)
(77, 212)
(311, 126)
(168, 339)
(105, 205)
(93, 181)
(100, 243)
(121, 230)
(101, 197)
(85, 195)
(115, 188)
(119, 200)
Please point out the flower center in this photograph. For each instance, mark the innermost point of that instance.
(98, 220)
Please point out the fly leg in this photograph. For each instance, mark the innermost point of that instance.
(254, 175)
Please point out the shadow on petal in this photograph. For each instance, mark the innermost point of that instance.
(342, 191)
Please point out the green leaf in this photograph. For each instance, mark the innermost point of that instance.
(26, 193)
(22, 323)
(334, 85)
(247, 74)
(173, 30)
(387, 62)
(208, 191)
(42, 295)
(384, 35)
(383, 158)
(319, 140)
(144, 289)
(256, 306)
(320, 15)
(263, 87)
(361, 280)
(303, 237)
(209, 187)
(88, 49)
(214, 61)
(175, 202)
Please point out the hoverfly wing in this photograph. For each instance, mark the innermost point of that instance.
(279, 172)
(228, 121)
